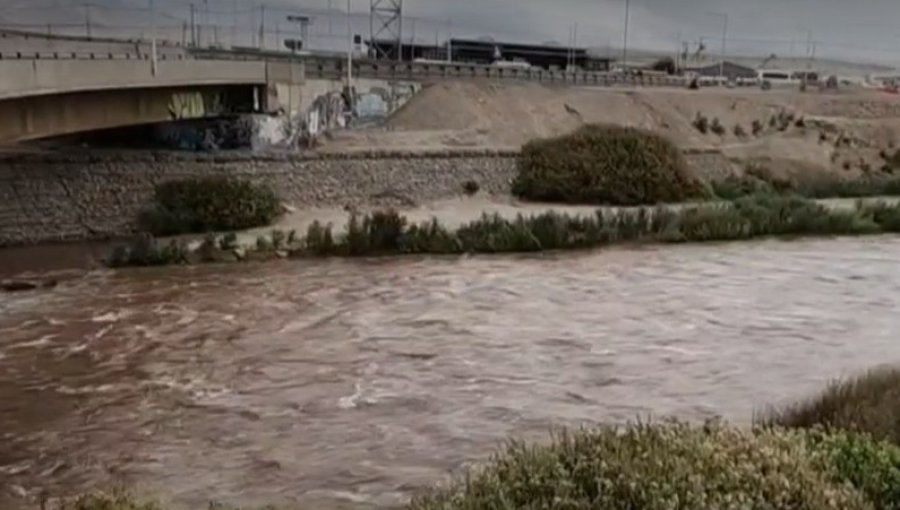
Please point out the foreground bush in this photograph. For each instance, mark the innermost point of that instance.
(653, 467)
(211, 204)
(869, 404)
(605, 165)
(872, 467)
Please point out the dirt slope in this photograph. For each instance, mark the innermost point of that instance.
(840, 131)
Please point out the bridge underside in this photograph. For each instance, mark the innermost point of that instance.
(54, 115)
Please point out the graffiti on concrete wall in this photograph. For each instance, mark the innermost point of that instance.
(187, 105)
(208, 134)
(336, 109)
(328, 112)
(379, 102)
(194, 105)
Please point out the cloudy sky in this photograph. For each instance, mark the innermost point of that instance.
(859, 29)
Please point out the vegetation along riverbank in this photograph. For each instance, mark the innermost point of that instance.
(839, 450)
(390, 233)
(597, 165)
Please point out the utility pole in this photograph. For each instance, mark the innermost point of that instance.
(152, 38)
(193, 28)
(330, 16)
(87, 20)
(262, 27)
(625, 43)
(206, 15)
(349, 51)
(724, 16)
(449, 41)
(412, 41)
(574, 43)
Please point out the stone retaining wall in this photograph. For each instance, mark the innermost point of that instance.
(68, 197)
(96, 195)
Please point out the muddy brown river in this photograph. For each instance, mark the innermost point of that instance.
(345, 384)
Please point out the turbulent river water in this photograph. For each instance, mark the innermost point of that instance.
(336, 384)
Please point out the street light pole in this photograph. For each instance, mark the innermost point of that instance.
(724, 16)
(152, 38)
(349, 49)
(625, 43)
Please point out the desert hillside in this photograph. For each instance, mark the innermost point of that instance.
(845, 131)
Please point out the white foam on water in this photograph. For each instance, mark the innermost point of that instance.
(351, 401)
(40, 342)
(114, 316)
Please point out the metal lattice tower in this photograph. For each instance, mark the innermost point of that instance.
(386, 29)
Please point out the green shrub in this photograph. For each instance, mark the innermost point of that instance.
(605, 165)
(733, 187)
(320, 240)
(756, 127)
(650, 468)
(431, 237)
(144, 250)
(701, 123)
(279, 239)
(739, 131)
(872, 467)
(710, 223)
(103, 501)
(228, 242)
(868, 404)
(717, 128)
(121, 500)
(264, 244)
(758, 179)
(471, 188)
(210, 204)
(891, 159)
(887, 216)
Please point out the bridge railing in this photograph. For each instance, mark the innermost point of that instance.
(334, 67)
(85, 55)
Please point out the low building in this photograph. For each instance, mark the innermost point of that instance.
(732, 71)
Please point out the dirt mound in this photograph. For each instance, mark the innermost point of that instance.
(842, 132)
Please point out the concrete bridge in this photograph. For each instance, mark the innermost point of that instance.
(51, 97)
(59, 86)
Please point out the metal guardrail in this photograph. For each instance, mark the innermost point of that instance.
(334, 67)
(82, 55)
(423, 71)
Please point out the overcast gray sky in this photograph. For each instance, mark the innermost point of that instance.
(860, 29)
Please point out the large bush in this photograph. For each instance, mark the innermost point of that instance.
(653, 468)
(210, 204)
(869, 404)
(610, 165)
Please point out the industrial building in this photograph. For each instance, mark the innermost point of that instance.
(486, 51)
